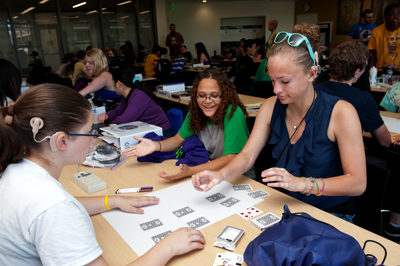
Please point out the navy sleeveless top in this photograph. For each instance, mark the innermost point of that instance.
(314, 154)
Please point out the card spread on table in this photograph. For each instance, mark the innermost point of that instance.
(180, 206)
(230, 202)
(258, 194)
(242, 187)
(250, 212)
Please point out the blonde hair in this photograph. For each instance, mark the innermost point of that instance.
(98, 59)
(273, 22)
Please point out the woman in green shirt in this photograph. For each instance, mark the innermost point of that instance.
(216, 116)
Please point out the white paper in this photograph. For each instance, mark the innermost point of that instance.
(392, 124)
(171, 199)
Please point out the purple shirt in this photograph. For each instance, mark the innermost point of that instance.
(140, 107)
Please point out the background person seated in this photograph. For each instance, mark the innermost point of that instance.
(139, 103)
(347, 63)
(96, 63)
(151, 61)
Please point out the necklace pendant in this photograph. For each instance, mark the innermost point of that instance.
(294, 127)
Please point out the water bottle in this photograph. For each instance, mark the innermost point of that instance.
(373, 72)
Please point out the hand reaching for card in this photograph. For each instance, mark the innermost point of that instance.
(208, 178)
(184, 171)
(182, 241)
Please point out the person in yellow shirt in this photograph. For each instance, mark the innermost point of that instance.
(385, 41)
(151, 63)
(77, 68)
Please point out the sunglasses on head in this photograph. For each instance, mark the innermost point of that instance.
(294, 39)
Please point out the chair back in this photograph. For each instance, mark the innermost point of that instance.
(370, 203)
(263, 89)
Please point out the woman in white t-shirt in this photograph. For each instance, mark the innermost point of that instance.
(40, 222)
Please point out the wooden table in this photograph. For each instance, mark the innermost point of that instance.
(134, 174)
(387, 114)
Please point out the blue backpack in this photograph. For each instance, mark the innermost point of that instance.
(299, 239)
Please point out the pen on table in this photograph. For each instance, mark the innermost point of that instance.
(134, 190)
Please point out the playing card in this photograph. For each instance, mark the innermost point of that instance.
(258, 193)
(159, 237)
(199, 222)
(230, 202)
(250, 212)
(225, 259)
(215, 197)
(151, 224)
(265, 221)
(242, 187)
(182, 212)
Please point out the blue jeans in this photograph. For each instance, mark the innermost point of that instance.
(346, 217)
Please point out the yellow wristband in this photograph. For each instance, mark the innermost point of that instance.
(106, 203)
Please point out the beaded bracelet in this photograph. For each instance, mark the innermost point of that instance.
(312, 180)
(306, 185)
(323, 187)
(106, 203)
(316, 182)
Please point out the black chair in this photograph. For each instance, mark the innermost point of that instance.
(369, 205)
(263, 89)
(54, 78)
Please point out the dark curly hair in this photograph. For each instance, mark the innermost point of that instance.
(229, 96)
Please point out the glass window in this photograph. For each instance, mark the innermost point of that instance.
(7, 50)
(80, 25)
(146, 25)
(120, 24)
(36, 30)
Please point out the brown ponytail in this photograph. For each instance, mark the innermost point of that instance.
(60, 108)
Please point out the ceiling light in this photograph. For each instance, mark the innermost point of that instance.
(78, 5)
(104, 8)
(27, 10)
(204, 1)
(15, 17)
(91, 12)
(144, 12)
(124, 3)
(124, 17)
(43, 2)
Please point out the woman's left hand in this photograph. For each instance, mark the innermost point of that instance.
(130, 204)
(184, 171)
(280, 177)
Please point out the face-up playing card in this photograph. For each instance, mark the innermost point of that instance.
(151, 224)
(249, 213)
(199, 222)
(265, 221)
(225, 260)
(242, 187)
(215, 197)
(258, 193)
(230, 202)
(159, 237)
(182, 212)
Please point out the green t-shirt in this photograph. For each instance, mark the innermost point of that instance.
(234, 133)
(262, 72)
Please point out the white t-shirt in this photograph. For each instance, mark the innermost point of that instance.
(40, 222)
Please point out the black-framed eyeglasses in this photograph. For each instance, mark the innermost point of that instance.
(93, 133)
(393, 14)
(214, 98)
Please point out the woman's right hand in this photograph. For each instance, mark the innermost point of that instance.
(182, 241)
(208, 178)
(145, 147)
(102, 117)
